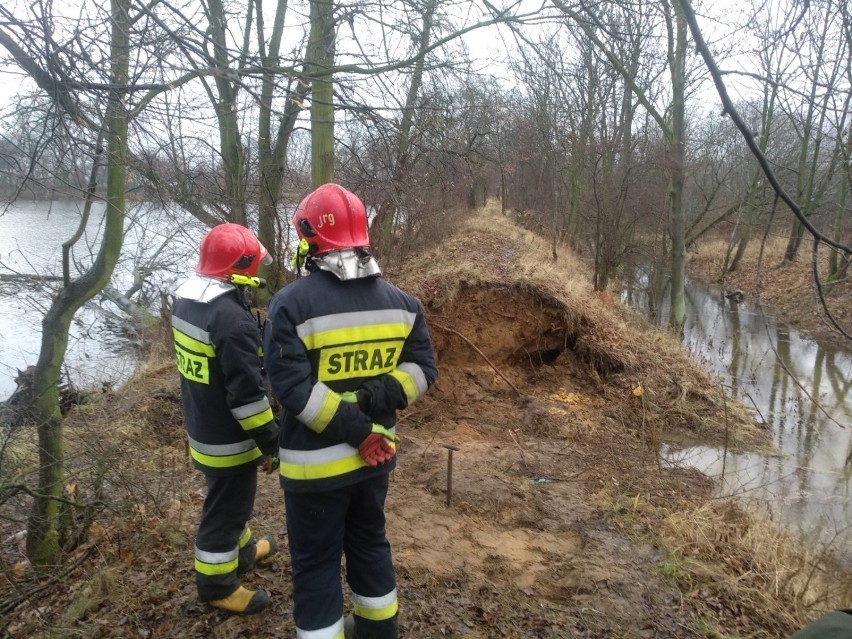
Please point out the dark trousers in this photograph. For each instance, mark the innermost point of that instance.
(324, 526)
(222, 531)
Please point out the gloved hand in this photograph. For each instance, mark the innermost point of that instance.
(350, 397)
(377, 448)
(381, 430)
(270, 463)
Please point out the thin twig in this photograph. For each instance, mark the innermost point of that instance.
(518, 444)
(434, 435)
(725, 451)
(496, 370)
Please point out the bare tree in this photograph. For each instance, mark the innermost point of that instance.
(52, 73)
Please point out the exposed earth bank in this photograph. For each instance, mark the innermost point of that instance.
(562, 521)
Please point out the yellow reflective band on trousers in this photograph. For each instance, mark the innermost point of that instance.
(225, 461)
(216, 563)
(375, 608)
(334, 631)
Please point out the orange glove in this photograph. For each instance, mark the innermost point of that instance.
(377, 447)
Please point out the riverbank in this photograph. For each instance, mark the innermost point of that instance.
(563, 521)
(785, 289)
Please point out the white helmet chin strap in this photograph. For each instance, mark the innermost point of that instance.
(348, 264)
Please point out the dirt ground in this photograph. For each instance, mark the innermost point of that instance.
(561, 521)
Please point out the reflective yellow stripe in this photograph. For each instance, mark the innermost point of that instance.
(409, 386)
(374, 333)
(348, 323)
(321, 407)
(375, 608)
(193, 344)
(257, 420)
(216, 563)
(322, 470)
(376, 615)
(216, 569)
(329, 408)
(225, 461)
(245, 537)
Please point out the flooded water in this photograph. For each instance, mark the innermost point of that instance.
(801, 389)
(158, 242)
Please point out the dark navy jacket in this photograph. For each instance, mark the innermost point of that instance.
(228, 417)
(323, 337)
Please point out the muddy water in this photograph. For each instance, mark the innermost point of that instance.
(802, 390)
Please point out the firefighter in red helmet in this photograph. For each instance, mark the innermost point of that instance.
(227, 413)
(344, 350)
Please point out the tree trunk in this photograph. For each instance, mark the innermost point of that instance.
(230, 144)
(838, 264)
(805, 176)
(272, 148)
(381, 229)
(319, 64)
(43, 532)
(755, 196)
(677, 317)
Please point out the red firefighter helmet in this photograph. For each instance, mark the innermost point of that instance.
(332, 218)
(230, 249)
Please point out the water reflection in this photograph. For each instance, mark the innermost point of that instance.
(800, 387)
(159, 247)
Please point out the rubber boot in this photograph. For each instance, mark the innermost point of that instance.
(388, 629)
(243, 601)
(263, 549)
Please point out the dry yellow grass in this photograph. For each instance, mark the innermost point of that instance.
(767, 568)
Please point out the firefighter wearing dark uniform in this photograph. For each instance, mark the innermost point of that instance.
(228, 418)
(344, 350)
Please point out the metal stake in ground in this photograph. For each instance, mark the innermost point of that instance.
(450, 450)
